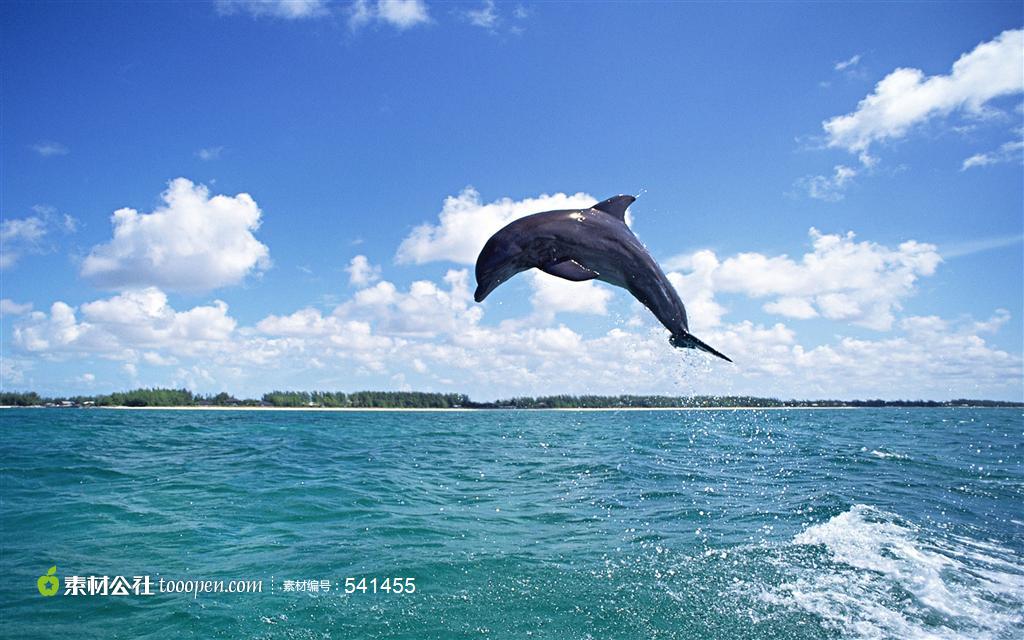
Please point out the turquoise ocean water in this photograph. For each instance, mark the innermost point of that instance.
(889, 523)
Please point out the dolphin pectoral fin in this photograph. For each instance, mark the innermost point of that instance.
(689, 341)
(569, 270)
(615, 206)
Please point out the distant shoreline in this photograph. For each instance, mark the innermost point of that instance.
(467, 409)
(487, 409)
(183, 399)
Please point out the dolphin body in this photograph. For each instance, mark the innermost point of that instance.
(581, 245)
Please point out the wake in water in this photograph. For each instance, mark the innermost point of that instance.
(880, 576)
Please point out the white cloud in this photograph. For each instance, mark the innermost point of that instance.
(304, 322)
(47, 149)
(209, 153)
(12, 371)
(970, 247)
(483, 16)
(1007, 152)
(848, 63)
(191, 243)
(23, 236)
(287, 9)
(553, 295)
(436, 334)
(932, 358)
(361, 273)
(70, 223)
(432, 332)
(19, 236)
(87, 378)
(425, 310)
(24, 229)
(828, 188)
(118, 326)
(465, 223)
(154, 358)
(906, 97)
(9, 307)
(841, 279)
(799, 308)
(193, 378)
(401, 14)
(697, 289)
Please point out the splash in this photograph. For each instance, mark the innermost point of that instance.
(883, 577)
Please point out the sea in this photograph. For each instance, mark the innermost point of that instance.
(732, 524)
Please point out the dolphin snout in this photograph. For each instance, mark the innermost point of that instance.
(481, 293)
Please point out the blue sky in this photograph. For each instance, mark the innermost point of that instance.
(379, 143)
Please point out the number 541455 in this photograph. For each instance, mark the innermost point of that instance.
(380, 585)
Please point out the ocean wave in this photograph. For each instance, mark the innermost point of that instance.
(882, 576)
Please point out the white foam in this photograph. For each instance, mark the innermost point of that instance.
(888, 455)
(959, 588)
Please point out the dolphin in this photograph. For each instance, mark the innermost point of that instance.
(584, 244)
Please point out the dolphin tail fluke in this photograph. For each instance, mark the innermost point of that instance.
(689, 341)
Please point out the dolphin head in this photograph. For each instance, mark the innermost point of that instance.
(500, 259)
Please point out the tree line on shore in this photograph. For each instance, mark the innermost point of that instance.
(424, 400)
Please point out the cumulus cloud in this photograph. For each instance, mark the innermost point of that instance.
(361, 273)
(800, 308)
(434, 333)
(426, 309)
(1007, 152)
(193, 242)
(49, 148)
(157, 359)
(286, 9)
(931, 356)
(466, 222)
(841, 279)
(381, 326)
(121, 325)
(553, 295)
(401, 14)
(906, 97)
(697, 289)
(335, 330)
(9, 307)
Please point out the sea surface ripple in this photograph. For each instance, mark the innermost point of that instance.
(868, 523)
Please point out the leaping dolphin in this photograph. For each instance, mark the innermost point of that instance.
(583, 244)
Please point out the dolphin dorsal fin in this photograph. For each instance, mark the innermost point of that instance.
(615, 206)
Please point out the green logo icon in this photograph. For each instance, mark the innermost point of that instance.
(49, 584)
